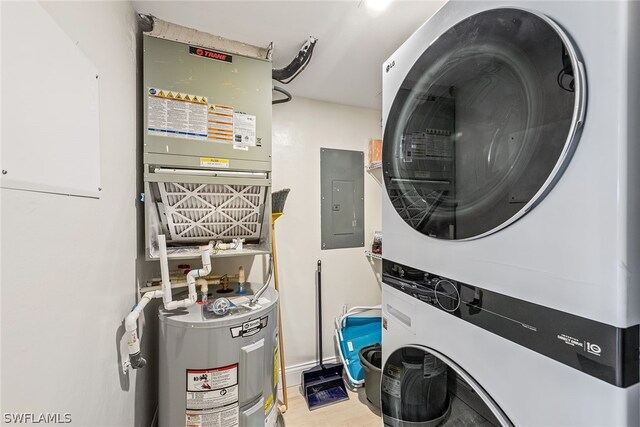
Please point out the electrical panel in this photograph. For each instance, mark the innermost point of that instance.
(342, 198)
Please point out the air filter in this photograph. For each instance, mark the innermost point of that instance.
(200, 212)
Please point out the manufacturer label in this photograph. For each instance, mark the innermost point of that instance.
(587, 346)
(244, 131)
(390, 65)
(249, 328)
(210, 162)
(210, 54)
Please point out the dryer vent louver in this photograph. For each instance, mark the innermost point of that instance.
(201, 212)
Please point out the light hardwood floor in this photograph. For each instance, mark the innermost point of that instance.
(355, 412)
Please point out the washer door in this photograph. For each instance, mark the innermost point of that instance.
(483, 124)
(423, 388)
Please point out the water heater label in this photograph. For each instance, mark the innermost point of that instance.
(223, 417)
(249, 328)
(212, 397)
(176, 114)
(272, 418)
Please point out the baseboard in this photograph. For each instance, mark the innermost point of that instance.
(294, 372)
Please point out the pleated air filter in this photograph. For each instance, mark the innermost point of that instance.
(200, 212)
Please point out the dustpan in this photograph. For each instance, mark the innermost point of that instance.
(323, 384)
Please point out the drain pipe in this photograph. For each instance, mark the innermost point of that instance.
(164, 270)
(191, 280)
(135, 360)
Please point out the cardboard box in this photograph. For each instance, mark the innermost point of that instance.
(375, 151)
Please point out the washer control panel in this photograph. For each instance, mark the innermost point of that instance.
(604, 351)
(436, 290)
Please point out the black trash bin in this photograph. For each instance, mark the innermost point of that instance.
(371, 361)
(414, 389)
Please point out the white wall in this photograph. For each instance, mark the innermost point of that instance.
(62, 308)
(300, 129)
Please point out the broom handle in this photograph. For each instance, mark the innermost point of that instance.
(320, 312)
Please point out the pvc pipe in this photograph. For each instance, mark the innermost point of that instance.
(179, 277)
(164, 270)
(191, 281)
(182, 284)
(131, 326)
(131, 321)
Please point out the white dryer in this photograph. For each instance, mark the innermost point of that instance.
(511, 163)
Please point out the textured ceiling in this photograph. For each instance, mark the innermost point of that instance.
(354, 40)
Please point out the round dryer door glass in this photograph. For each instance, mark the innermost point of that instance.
(483, 124)
(421, 387)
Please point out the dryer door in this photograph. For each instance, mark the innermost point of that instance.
(483, 124)
(423, 388)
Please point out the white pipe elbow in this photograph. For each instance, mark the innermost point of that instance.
(191, 282)
(131, 321)
(131, 325)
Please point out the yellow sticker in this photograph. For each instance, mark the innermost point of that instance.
(394, 371)
(268, 404)
(275, 367)
(210, 162)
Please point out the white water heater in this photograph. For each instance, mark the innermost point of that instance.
(220, 371)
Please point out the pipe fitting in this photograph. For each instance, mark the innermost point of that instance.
(137, 361)
(191, 281)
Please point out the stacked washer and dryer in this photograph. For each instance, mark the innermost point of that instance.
(511, 164)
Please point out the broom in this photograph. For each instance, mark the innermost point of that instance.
(277, 207)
